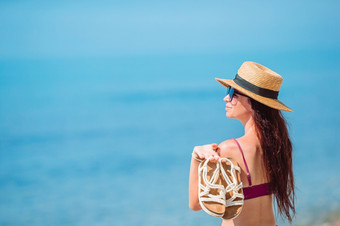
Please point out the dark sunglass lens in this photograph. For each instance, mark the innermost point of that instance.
(228, 90)
(231, 93)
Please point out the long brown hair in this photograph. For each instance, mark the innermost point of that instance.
(272, 132)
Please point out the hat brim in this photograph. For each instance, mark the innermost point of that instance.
(273, 103)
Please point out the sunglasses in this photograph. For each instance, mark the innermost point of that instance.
(231, 92)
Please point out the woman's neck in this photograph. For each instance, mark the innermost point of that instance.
(248, 124)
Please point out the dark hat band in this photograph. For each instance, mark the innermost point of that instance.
(255, 89)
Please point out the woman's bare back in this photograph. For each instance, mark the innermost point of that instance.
(257, 211)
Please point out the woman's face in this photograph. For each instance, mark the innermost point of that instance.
(239, 107)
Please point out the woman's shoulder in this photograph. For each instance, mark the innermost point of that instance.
(228, 148)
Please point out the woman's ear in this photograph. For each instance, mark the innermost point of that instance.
(248, 105)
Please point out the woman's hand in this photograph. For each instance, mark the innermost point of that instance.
(200, 152)
(206, 151)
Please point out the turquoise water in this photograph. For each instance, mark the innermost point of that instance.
(107, 141)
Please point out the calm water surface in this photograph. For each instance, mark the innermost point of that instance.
(108, 141)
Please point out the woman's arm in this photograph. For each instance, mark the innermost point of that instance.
(201, 152)
(193, 186)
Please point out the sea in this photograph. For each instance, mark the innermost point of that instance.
(108, 140)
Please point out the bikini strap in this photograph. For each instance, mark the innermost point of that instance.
(244, 160)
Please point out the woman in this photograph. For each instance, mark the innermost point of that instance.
(264, 152)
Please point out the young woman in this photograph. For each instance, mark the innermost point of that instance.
(264, 152)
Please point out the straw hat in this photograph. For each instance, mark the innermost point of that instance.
(259, 83)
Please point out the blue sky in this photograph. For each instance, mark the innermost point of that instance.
(40, 29)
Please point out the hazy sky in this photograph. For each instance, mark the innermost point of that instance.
(40, 29)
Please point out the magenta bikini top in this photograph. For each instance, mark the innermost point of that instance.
(253, 191)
